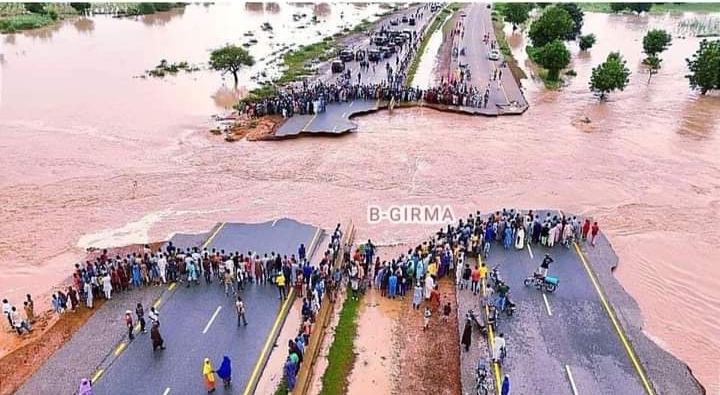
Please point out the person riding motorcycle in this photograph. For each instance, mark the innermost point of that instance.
(543, 270)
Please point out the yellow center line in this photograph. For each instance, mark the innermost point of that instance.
(210, 239)
(314, 240)
(96, 376)
(157, 303)
(172, 286)
(268, 341)
(491, 338)
(616, 325)
(120, 348)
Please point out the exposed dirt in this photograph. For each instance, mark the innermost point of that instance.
(21, 356)
(430, 360)
(49, 334)
(255, 129)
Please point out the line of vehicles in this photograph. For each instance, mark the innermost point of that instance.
(383, 45)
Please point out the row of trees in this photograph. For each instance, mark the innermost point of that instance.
(563, 22)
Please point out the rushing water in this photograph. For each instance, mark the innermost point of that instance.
(91, 155)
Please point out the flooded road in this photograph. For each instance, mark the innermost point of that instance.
(92, 157)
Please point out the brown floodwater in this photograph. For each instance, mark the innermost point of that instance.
(92, 156)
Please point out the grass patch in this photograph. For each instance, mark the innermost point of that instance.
(543, 73)
(515, 69)
(282, 388)
(658, 7)
(297, 62)
(341, 356)
(11, 24)
(437, 22)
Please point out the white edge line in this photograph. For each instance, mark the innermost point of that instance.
(572, 381)
(530, 252)
(274, 222)
(211, 319)
(167, 391)
(547, 305)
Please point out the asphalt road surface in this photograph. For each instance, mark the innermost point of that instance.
(504, 90)
(553, 337)
(336, 117)
(200, 321)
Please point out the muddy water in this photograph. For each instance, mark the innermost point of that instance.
(90, 154)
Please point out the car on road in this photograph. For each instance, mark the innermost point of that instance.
(399, 40)
(346, 55)
(411, 21)
(385, 51)
(380, 40)
(373, 55)
(394, 22)
(462, 14)
(404, 19)
(337, 66)
(494, 54)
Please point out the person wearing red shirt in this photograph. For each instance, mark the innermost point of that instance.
(594, 232)
(585, 229)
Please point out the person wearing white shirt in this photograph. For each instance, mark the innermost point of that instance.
(499, 347)
(107, 286)
(162, 267)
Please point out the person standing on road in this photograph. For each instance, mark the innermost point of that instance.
(467, 334)
(157, 340)
(280, 282)
(129, 324)
(585, 229)
(505, 388)
(426, 318)
(225, 371)
(140, 312)
(154, 315)
(545, 265)
(107, 286)
(593, 233)
(85, 387)
(240, 309)
(88, 295)
(499, 347)
(208, 376)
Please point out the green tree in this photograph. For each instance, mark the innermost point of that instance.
(617, 7)
(230, 58)
(656, 41)
(554, 57)
(705, 67)
(516, 13)
(81, 7)
(587, 41)
(554, 23)
(653, 64)
(163, 6)
(35, 8)
(639, 7)
(145, 8)
(609, 75)
(576, 15)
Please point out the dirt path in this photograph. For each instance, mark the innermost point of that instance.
(430, 360)
(376, 351)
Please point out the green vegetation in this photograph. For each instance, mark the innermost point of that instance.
(577, 16)
(23, 16)
(282, 388)
(164, 68)
(700, 26)
(341, 356)
(81, 7)
(609, 76)
(587, 41)
(436, 24)
(554, 57)
(656, 7)
(230, 59)
(655, 42)
(298, 61)
(150, 8)
(554, 23)
(705, 67)
(516, 13)
(515, 69)
(23, 22)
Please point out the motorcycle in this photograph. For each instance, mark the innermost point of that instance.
(547, 283)
(481, 386)
(472, 317)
